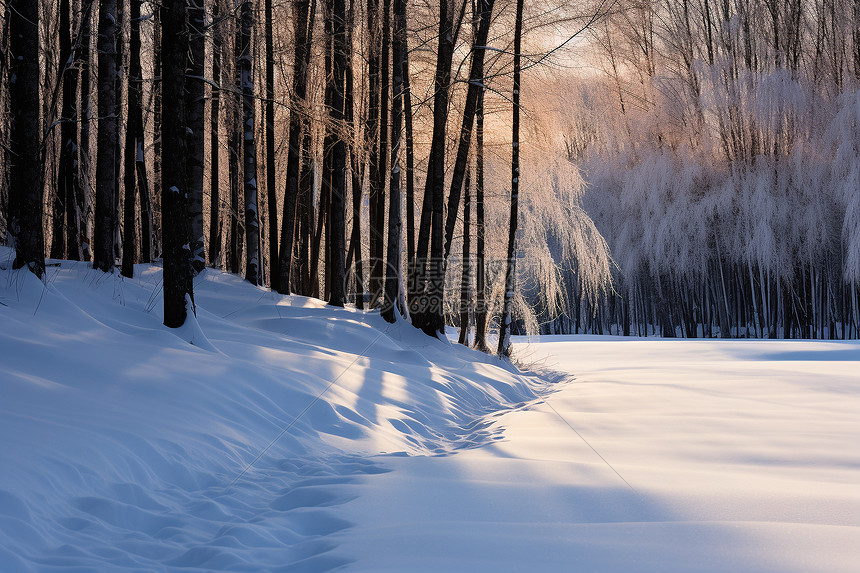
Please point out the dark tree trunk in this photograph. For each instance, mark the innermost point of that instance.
(174, 204)
(338, 195)
(157, 98)
(82, 176)
(195, 106)
(25, 172)
(304, 201)
(476, 84)
(129, 231)
(426, 311)
(5, 16)
(252, 221)
(371, 137)
(108, 137)
(298, 107)
(466, 279)
(120, 142)
(214, 145)
(271, 188)
(480, 268)
(393, 275)
(507, 311)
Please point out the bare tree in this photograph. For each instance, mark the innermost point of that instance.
(466, 278)
(195, 110)
(271, 186)
(25, 173)
(298, 107)
(337, 250)
(252, 218)
(393, 273)
(214, 143)
(177, 280)
(507, 311)
(476, 84)
(108, 140)
(426, 278)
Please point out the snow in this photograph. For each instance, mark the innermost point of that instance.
(275, 433)
(660, 456)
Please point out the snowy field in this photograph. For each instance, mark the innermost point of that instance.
(277, 434)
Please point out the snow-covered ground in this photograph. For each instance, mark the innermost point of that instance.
(277, 434)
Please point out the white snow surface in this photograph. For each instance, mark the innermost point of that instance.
(276, 433)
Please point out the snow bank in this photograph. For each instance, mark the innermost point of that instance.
(223, 445)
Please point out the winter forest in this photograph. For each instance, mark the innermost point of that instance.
(423, 286)
(690, 168)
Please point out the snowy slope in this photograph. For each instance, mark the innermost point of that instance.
(124, 446)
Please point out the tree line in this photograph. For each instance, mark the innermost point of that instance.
(720, 149)
(119, 115)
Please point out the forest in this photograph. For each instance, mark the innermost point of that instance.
(691, 168)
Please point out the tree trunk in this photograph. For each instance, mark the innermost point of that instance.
(82, 177)
(465, 280)
(65, 171)
(371, 137)
(106, 160)
(157, 175)
(25, 172)
(235, 155)
(378, 277)
(410, 160)
(427, 311)
(480, 269)
(356, 171)
(252, 222)
(174, 204)
(195, 95)
(214, 145)
(505, 323)
(271, 187)
(476, 84)
(338, 159)
(135, 166)
(70, 183)
(136, 119)
(298, 107)
(306, 200)
(393, 275)
(328, 146)
(129, 231)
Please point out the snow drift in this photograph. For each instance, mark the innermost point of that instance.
(129, 446)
